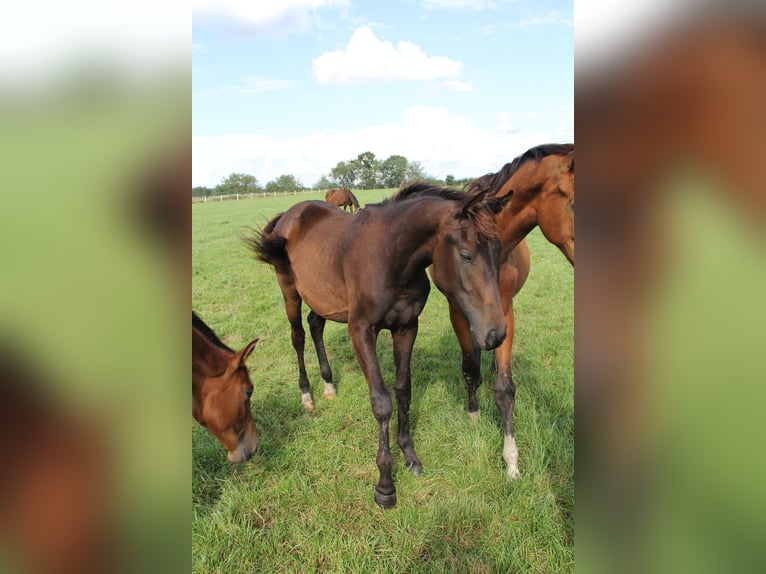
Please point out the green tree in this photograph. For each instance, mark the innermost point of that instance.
(237, 183)
(201, 191)
(414, 172)
(449, 179)
(284, 183)
(368, 170)
(345, 174)
(325, 183)
(392, 171)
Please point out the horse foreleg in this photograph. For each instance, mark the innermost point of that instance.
(364, 338)
(293, 304)
(471, 358)
(404, 339)
(505, 396)
(316, 327)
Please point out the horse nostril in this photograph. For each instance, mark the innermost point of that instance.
(249, 393)
(494, 339)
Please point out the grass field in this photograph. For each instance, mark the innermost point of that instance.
(304, 502)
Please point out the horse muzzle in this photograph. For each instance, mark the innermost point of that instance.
(493, 339)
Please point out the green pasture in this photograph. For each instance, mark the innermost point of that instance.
(304, 502)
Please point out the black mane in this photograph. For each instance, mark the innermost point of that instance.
(423, 189)
(494, 181)
(202, 327)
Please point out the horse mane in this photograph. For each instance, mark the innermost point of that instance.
(480, 214)
(208, 333)
(494, 181)
(423, 189)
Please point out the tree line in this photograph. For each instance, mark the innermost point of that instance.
(363, 172)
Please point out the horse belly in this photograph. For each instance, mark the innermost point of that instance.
(320, 286)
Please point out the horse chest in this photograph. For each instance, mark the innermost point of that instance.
(407, 306)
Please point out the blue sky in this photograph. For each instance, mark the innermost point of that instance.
(295, 86)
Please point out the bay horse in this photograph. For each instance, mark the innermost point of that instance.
(369, 271)
(541, 185)
(343, 198)
(57, 483)
(687, 101)
(221, 390)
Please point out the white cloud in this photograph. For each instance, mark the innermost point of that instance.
(458, 86)
(459, 4)
(278, 16)
(444, 142)
(250, 86)
(551, 17)
(368, 59)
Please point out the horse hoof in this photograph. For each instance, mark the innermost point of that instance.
(513, 473)
(474, 415)
(416, 468)
(307, 402)
(329, 391)
(385, 501)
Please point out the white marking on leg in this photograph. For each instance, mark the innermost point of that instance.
(308, 402)
(474, 415)
(329, 391)
(511, 456)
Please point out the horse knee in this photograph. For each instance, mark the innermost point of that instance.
(381, 406)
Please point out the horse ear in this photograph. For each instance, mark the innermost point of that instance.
(207, 359)
(245, 353)
(496, 204)
(472, 201)
(570, 159)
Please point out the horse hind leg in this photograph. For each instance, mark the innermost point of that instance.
(316, 327)
(293, 304)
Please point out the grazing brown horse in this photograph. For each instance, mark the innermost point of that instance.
(369, 271)
(56, 483)
(221, 390)
(343, 198)
(541, 182)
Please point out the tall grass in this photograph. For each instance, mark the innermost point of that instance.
(304, 502)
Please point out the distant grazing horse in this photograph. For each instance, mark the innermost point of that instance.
(368, 270)
(343, 198)
(541, 185)
(221, 391)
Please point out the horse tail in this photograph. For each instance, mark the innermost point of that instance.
(270, 247)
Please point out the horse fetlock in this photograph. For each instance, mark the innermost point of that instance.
(329, 391)
(415, 467)
(511, 456)
(307, 401)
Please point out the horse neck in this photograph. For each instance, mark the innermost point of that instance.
(415, 230)
(519, 217)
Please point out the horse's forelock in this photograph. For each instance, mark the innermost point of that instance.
(483, 219)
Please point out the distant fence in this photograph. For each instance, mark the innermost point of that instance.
(255, 195)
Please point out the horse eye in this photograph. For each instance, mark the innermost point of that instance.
(465, 256)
